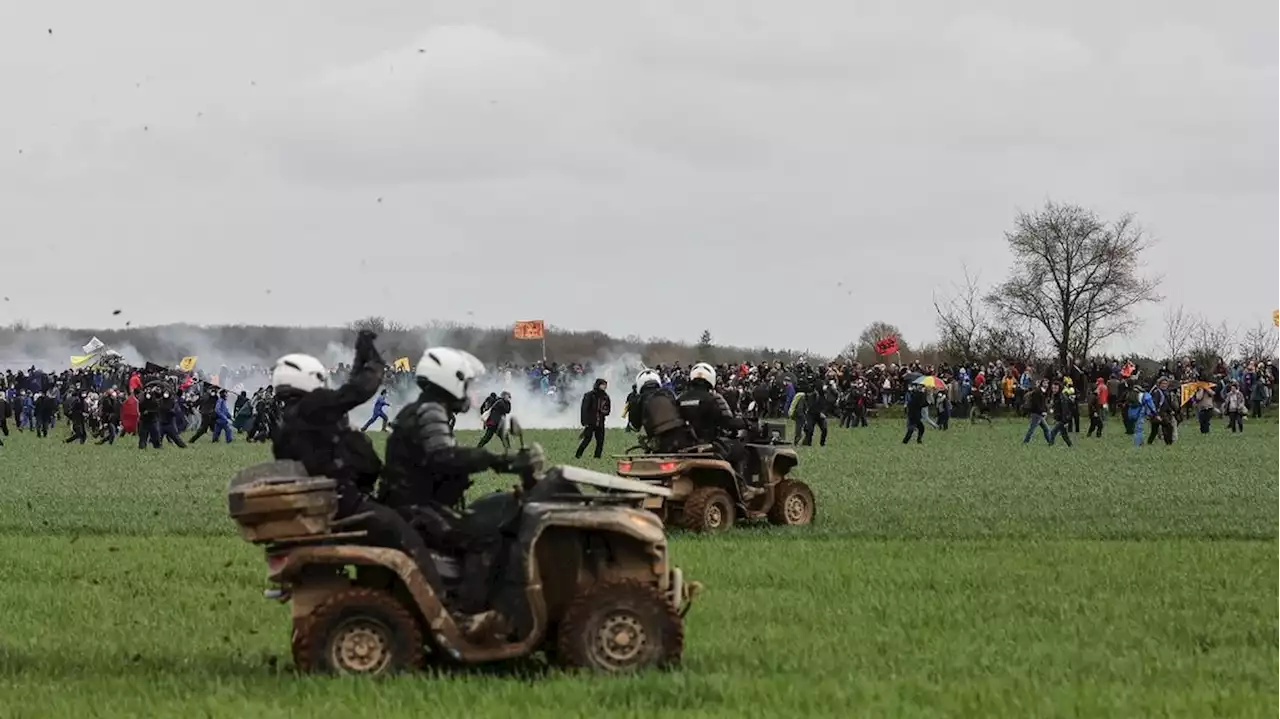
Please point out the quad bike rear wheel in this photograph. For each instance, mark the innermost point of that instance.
(358, 631)
(792, 503)
(618, 627)
(708, 509)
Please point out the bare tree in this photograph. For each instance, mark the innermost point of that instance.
(1015, 342)
(1075, 276)
(1210, 343)
(1259, 343)
(372, 323)
(1179, 325)
(962, 325)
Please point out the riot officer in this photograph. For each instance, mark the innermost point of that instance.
(659, 415)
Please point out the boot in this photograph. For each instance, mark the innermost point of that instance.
(482, 627)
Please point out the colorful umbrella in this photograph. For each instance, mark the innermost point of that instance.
(931, 382)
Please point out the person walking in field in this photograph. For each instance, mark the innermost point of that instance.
(1234, 407)
(1036, 402)
(1062, 416)
(1162, 419)
(221, 418)
(1204, 407)
(1097, 409)
(595, 410)
(917, 398)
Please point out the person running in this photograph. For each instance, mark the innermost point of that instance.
(380, 406)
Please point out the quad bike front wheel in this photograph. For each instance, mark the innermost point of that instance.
(792, 503)
(358, 631)
(618, 627)
(708, 509)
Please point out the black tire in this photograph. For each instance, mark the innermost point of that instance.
(793, 504)
(707, 509)
(358, 631)
(619, 627)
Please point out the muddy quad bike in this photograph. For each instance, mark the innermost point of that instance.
(584, 575)
(707, 495)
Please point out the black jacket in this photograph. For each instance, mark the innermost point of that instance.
(499, 409)
(659, 415)
(596, 406)
(109, 409)
(1062, 408)
(314, 429)
(1036, 401)
(707, 413)
(424, 462)
(916, 402)
(45, 407)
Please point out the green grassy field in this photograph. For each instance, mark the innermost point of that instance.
(969, 576)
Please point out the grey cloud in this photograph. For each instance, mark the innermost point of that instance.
(530, 160)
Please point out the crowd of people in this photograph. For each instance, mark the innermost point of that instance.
(156, 404)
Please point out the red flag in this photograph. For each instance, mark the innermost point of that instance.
(1127, 369)
(887, 345)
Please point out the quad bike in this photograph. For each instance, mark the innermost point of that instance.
(584, 575)
(707, 494)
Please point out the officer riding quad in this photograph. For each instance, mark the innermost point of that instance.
(584, 575)
(706, 494)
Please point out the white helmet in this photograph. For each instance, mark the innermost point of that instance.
(298, 371)
(451, 370)
(703, 371)
(647, 376)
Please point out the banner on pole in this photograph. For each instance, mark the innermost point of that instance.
(530, 330)
(887, 345)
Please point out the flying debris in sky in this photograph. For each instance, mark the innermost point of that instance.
(115, 312)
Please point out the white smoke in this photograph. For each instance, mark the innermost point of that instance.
(529, 405)
(217, 352)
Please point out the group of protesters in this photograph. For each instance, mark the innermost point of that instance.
(159, 404)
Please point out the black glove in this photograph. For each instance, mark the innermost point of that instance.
(501, 463)
(365, 351)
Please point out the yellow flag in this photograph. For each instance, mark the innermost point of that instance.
(81, 360)
(1189, 389)
(188, 363)
(1275, 317)
(402, 364)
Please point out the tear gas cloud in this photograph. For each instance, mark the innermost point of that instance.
(234, 348)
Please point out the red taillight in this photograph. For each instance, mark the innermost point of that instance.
(275, 562)
(624, 466)
(667, 466)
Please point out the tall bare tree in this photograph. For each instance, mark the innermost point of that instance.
(1013, 342)
(1179, 325)
(1075, 276)
(1210, 343)
(1259, 343)
(961, 320)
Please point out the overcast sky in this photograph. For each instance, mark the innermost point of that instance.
(641, 168)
